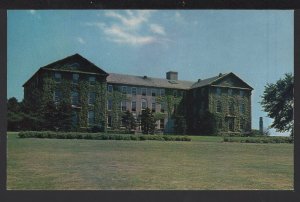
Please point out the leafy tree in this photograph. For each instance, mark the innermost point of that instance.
(129, 121)
(278, 102)
(147, 121)
(180, 124)
(14, 114)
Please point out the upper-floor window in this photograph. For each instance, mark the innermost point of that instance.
(153, 106)
(133, 90)
(57, 77)
(162, 92)
(75, 97)
(75, 78)
(92, 97)
(123, 106)
(242, 93)
(109, 104)
(242, 108)
(109, 121)
(231, 108)
(219, 106)
(57, 96)
(92, 80)
(218, 91)
(91, 117)
(230, 92)
(175, 93)
(110, 88)
(144, 91)
(153, 92)
(144, 104)
(133, 106)
(124, 89)
(162, 107)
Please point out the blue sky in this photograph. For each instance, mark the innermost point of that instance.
(257, 45)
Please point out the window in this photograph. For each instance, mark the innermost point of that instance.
(92, 97)
(242, 108)
(123, 106)
(144, 104)
(75, 78)
(91, 117)
(74, 118)
(110, 88)
(162, 92)
(175, 93)
(161, 123)
(133, 90)
(242, 124)
(219, 106)
(218, 91)
(109, 121)
(133, 106)
(57, 77)
(92, 80)
(57, 96)
(75, 98)
(153, 92)
(153, 106)
(109, 104)
(220, 125)
(231, 108)
(241, 93)
(229, 91)
(124, 89)
(162, 107)
(144, 91)
(231, 124)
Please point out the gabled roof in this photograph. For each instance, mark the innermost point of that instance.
(73, 63)
(148, 81)
(208, 81)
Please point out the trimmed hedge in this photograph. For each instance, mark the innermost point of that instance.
(259, 139)
(99, 136)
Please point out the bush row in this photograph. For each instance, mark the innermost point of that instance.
(99, 136)
(259, 139)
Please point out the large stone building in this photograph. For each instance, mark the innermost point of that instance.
(100, 98)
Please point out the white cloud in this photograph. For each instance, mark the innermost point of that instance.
(157, 29)
(130, 27)
(80, 40)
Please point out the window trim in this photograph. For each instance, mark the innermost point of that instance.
(132, 105)
(122, 90)
(132, 90)
(108, 87)
(145, 92)
(142, 101)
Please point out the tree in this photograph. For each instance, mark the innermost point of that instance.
(180, 124)
(278, 102)
(147, 122)
(129, 121)
(14, 114)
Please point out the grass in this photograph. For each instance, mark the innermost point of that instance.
(205, 163)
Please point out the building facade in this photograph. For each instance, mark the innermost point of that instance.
(100, 98)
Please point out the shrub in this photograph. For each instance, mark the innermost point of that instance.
(261, 139)
(100, 136)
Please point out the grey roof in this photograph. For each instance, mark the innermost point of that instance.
(148, 81)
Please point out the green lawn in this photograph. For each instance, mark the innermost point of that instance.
(204, 163)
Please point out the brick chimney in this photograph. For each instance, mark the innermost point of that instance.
(172, 75)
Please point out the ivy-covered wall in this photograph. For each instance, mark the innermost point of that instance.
(238, 114)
